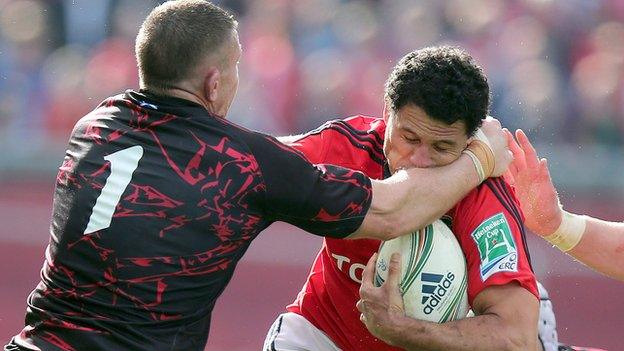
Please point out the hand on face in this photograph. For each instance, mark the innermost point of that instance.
(534, 188)
(381, 307)
(497, 141)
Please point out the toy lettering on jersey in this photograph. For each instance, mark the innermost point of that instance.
(355, 269)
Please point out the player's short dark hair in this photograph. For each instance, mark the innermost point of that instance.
(176, 36)
(445, 82)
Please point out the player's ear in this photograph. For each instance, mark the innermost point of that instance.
(211, 84)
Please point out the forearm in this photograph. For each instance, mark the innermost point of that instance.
(602, 247)
(480, 333)
(411, 199)
(432, 192)
(506, 319)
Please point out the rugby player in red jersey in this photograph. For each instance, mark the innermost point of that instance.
(159, 197)
(435, 99)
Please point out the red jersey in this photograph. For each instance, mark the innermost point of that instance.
(487, 216)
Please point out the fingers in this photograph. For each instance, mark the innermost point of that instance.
(361, 306)
(543, 170)
(369, 273)
(491, 119)
(490, 127)
(510, 157)
(510, 138)
(394, 270)
(509, 175)
(392, 286)
(512, 170)
(519, 162)
(529, 151)
(495, 158)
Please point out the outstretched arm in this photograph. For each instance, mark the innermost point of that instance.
(602, 247)
(598, 244)
(413, 198)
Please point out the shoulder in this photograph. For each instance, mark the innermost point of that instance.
(357, 138)
(366, 125)
(253, 140)
(362, 127)
(116, 103)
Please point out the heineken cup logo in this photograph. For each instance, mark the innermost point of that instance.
(497, 247)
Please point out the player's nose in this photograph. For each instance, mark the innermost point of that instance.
(421, 158)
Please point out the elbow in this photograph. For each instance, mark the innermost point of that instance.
(517, 337)
(514, 345)
(521, 342)
(517, 345)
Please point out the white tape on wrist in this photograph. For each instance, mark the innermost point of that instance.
(477, 164)
(569, 233)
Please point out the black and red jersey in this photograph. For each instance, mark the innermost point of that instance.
(155, 203)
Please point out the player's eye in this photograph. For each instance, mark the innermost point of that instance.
(410, 139)
(439, 148)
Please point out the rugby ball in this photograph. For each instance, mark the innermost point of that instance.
(433, 273)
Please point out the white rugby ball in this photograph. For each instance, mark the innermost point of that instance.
(433, 273)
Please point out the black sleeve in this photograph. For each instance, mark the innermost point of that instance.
(321, 199)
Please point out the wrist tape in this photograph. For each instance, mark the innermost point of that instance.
(569, 233)
(482, 155)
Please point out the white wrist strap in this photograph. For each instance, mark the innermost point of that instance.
(569, 233)
(477, 164)
(479, 135)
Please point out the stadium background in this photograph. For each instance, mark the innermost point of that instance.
(556, 69)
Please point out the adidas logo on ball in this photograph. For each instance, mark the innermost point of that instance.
(433, 294)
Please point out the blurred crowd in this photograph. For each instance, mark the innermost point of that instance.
(555, 67)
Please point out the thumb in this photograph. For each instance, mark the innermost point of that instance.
(393, 283)
(394, 270)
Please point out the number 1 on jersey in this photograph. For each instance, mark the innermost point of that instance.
(122, 165)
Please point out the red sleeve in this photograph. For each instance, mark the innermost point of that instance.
(312, 145)
(489, 226)
(355, 142)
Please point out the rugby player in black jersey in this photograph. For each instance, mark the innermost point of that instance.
(159, 196)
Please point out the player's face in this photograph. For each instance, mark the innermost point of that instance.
(413, 139)
(228, 81)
